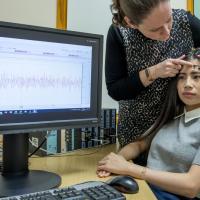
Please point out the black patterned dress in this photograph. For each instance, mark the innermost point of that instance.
(128, 52)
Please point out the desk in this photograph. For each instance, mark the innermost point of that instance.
(80, 166)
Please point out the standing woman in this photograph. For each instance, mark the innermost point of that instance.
(145, 47)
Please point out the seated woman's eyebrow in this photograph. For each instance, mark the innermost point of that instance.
(196, 67)
(195, 72)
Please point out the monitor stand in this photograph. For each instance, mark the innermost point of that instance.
(16, 178)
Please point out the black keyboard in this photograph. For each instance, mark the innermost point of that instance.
(92, 190)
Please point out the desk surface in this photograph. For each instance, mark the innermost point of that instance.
(80, 166)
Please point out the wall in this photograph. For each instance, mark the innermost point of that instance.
(33, 12)
(179, 4)
(197, 8)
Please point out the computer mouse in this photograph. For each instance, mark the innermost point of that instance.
(124, 184)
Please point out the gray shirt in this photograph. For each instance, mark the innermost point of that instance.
(177, 145)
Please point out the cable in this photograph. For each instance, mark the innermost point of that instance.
(37, 148)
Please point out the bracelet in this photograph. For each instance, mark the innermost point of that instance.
(148, 74)
(143, 173)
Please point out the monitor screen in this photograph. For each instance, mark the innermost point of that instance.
(48, 79)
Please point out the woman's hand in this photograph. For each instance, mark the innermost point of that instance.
(168, 68)
(112, 163)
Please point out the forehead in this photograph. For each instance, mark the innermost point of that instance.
(189, 69)
(156, 18)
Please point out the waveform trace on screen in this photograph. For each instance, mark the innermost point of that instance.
(41, 81)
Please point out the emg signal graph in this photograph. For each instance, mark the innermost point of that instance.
(28, 82)
(36, 80)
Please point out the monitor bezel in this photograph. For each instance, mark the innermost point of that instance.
(91, 118)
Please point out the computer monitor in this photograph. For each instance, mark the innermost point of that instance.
(49, 79)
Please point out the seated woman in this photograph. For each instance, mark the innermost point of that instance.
(173, 166)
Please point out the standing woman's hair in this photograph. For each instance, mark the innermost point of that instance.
(172, 106)
(135, 10)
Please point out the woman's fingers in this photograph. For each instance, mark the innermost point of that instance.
(181, 57)
(101, 168)
(173, 70)
(176, 65)
(170, 67)
(103, 174)
(180, 62)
